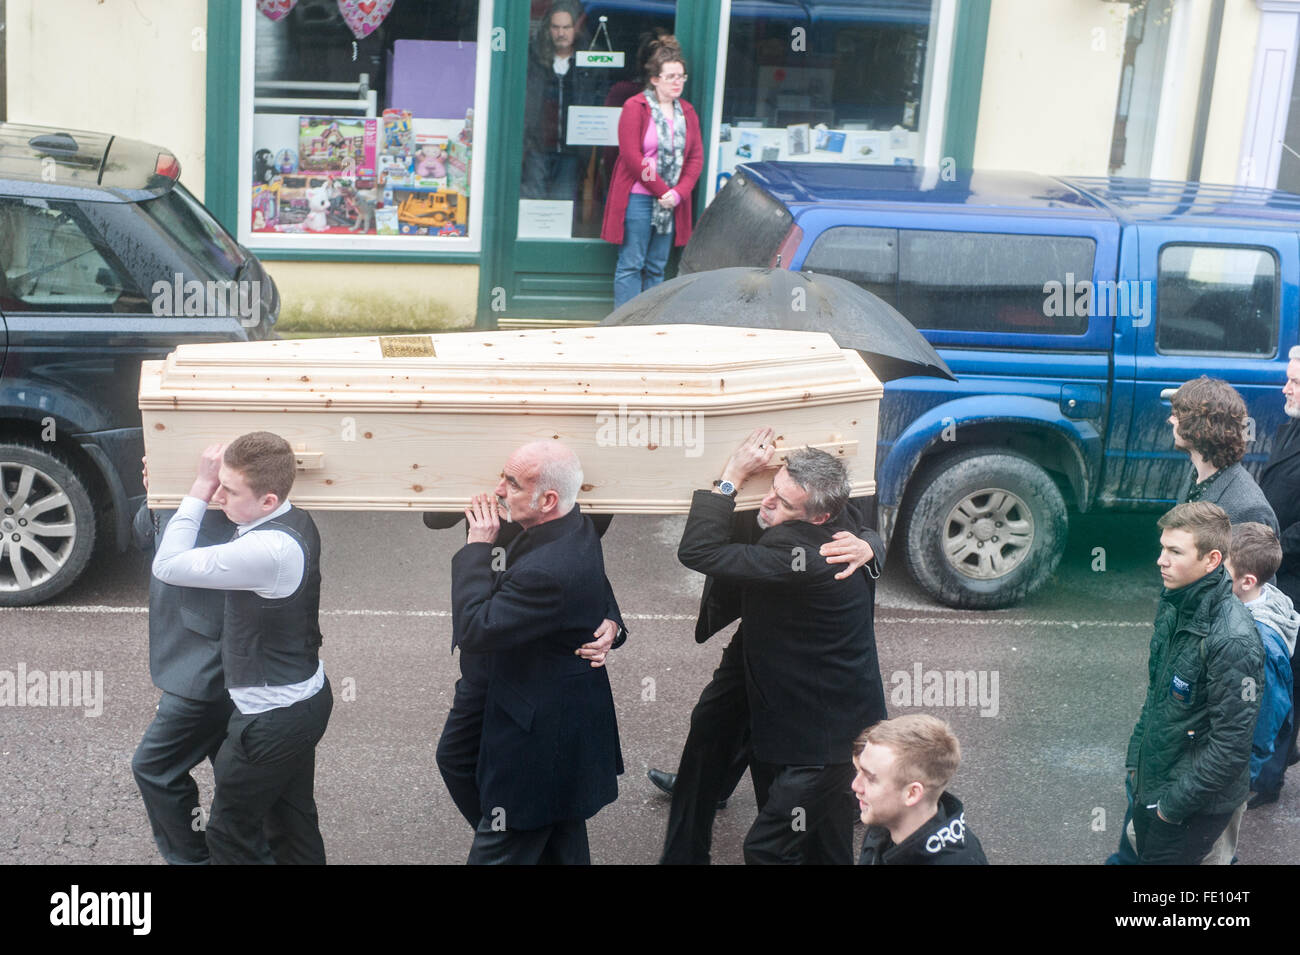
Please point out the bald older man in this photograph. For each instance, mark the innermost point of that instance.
(549, 755)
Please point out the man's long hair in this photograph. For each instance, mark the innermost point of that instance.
(1212, 420)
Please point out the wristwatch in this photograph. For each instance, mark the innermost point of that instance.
(726, 487)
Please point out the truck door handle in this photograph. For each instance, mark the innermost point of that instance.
(1167, 394)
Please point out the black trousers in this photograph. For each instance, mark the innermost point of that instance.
(561, 843)
(713, 760)
(458, 747)
(1164, 843)
(805, 815)
(183, 733)
(265, 775)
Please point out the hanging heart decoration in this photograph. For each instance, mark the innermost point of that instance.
(364, 16)
(276, 9)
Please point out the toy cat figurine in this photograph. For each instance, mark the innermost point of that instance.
(318, 201)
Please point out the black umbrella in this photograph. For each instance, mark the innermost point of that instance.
(794, 301)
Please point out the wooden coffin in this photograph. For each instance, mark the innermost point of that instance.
(427, 421)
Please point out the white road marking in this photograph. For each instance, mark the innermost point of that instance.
(934, 617)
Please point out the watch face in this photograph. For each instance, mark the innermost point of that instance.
(726, 487)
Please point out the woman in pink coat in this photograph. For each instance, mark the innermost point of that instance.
(660, 156)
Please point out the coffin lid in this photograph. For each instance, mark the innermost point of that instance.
(696, 366)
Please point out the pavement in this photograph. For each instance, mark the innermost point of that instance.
(1041, 777)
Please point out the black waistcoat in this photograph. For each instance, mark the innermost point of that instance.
(273, 642)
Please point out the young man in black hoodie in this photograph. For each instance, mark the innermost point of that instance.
(904, 765)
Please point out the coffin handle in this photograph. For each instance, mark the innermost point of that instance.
(306, 460)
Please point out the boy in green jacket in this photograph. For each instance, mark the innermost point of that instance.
(1190, 751)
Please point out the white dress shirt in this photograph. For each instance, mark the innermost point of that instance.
(270, 564)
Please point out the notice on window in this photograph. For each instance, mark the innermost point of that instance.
(545, 219)
(593, 125)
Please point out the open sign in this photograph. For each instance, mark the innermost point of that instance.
(608, 59)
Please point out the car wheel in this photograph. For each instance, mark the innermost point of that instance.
(983, 529)
(46, 522)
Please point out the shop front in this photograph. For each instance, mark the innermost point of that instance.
(457, 157)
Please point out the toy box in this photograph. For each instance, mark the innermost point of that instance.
(334, 144)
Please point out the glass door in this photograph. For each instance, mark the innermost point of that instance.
(581, 63)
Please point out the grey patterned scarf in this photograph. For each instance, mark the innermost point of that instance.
(670, 160)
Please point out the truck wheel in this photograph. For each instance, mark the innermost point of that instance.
(47, 525)
(983, 529)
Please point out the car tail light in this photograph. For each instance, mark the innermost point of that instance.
(787, 248)
(168, 165)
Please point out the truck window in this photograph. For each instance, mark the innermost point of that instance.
(865, 256)
(991, 282)
(1220, 299)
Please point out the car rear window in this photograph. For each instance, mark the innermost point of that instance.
(742, 226)
(53, 260)
(192, 227)
(962, 281)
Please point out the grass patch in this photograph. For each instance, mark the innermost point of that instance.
(365, 313)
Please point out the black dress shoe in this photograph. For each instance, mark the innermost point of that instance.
(1261, 799)
(664, 782)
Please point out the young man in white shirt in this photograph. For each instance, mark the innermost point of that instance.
(265, 769)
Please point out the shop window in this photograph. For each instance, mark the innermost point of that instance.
(1216, 299)
(362, 142)
(819, 81)
(580, 73)
(985, 282)
(52, 260)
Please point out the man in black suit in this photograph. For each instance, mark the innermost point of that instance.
(192, 713)
(808, 660)
(461, 737)
(549, 757)
(1280, 482)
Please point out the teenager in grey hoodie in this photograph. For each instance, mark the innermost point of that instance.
(1253, 557)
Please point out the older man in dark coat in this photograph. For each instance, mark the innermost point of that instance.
(550, 754)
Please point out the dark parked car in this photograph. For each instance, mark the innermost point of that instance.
(106, 260)
(1068, 308)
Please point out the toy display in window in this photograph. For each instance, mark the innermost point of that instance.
(358, 176)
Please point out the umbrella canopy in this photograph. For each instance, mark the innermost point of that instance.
(794, 301)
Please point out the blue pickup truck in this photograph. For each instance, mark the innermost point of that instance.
(1068, 308)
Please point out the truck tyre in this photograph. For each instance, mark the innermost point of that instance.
(47, 524)
(983, 528)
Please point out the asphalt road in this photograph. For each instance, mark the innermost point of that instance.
(1042, 775)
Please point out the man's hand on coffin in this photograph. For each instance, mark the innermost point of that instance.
(598, 648)
(753, 455)
(144, 475)
(484, 519)
(846, 548)
(209, 479)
